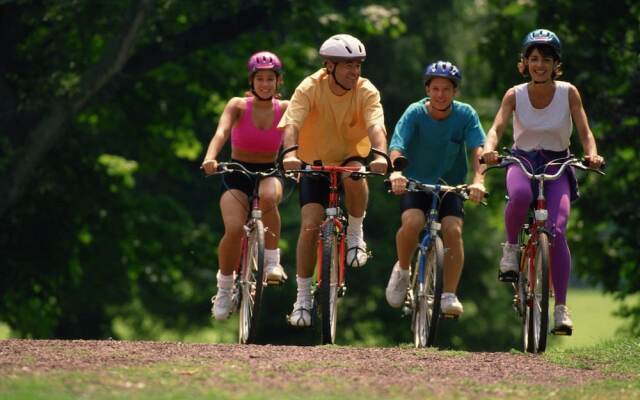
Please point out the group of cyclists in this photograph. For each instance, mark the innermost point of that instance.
(336, 116)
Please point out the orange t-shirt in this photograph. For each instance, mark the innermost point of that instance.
(333, 128)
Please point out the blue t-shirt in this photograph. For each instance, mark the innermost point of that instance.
(437, 149)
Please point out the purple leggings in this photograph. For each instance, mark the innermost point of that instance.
(557, 195)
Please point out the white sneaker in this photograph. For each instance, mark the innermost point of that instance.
(357, 255)
(450, 305)
(275, 273)
(509, 261)
(562, 320)
(301, 315)
(223, 304)
(397, 287)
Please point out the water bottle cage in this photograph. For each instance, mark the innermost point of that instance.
(541, 215)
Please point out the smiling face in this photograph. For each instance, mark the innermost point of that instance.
(346, 72)
(540, 66)
(441, 92)
(265, 83)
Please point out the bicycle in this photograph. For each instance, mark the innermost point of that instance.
(532, 285)
(331, 252)
(424, 293)
(250, 277)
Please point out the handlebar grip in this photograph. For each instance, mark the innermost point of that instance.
(483, 161)
(283, 152)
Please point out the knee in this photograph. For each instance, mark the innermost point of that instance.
(412, 227)
(452, 233)
(234, 229)
(269, 201)
(520, 196)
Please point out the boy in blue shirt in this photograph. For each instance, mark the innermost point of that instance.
(436, 134)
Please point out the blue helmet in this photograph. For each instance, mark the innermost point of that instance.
(443, 69)
(542, 36)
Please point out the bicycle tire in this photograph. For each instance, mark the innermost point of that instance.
(538, 301)
(252, 284)
(329, 284)
(427, 296)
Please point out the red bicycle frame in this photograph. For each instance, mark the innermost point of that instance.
(333, 215)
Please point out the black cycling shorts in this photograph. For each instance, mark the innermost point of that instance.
(238, 180)
(450, 203)
(315, 188)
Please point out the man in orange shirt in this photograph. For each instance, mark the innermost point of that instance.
(334, 115)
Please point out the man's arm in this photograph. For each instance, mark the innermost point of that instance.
(290, 160)
(378, 139)
(477, 189)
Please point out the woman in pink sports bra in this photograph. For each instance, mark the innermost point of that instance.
(251, 122)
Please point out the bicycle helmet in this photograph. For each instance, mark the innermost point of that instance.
(343, 47)
(542, 37)
(443, 69)
(264, 60)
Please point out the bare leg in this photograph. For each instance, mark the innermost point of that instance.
(270, 197)
(234, 207)
(311, 218)
(413, 221)
(454, 252)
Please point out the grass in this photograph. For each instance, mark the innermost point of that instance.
(592, 314)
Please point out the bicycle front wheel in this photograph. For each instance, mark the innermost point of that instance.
(426, 309)
(329, 284)
(251, 283)
(537, 310)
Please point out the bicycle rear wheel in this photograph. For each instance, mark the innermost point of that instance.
(329, 284)
(251, 283)
(537, 310)
(426, 308)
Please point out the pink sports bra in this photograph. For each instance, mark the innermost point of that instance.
(245, 136)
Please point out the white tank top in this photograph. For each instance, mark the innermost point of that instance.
(548, 128)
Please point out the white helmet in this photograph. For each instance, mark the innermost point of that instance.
(343, 47)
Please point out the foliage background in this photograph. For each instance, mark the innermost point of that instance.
(106, 108)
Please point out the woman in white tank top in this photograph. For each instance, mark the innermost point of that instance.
(544, 111)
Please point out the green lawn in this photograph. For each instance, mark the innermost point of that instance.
(593, 319)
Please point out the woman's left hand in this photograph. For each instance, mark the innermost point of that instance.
(595, 161)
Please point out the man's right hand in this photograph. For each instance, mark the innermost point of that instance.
(490, 157)
(398, 182)
(291, 162)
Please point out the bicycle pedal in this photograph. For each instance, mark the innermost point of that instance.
(508, 277)
(275, 282)
(562, 331)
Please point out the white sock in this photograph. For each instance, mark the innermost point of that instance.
(272, 256)
(402, 271)
(354, 226)
(224, 281)
(304, 287)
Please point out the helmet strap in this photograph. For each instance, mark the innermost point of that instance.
(333, 74)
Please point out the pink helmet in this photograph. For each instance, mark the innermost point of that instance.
(264, 60)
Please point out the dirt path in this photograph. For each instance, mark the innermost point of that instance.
(274, 366)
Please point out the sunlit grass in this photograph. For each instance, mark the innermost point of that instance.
(593, 319)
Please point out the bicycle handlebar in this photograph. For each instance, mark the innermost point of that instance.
(227, 167)
(414, 185)
(356, 171)
(505, 160)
